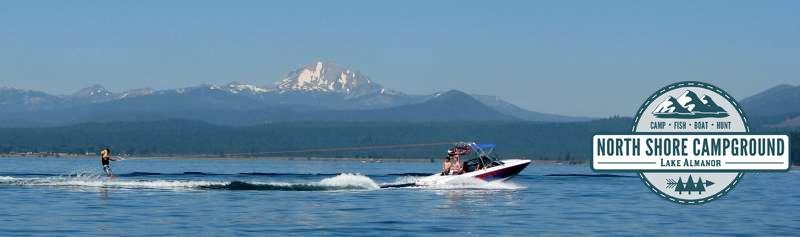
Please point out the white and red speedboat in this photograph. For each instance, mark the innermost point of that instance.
(478, 162)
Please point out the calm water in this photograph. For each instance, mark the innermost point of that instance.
(52, 197)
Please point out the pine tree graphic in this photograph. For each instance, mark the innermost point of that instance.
(701, 187)
(690, 186)
(679, 187)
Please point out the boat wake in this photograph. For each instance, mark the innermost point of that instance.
(475, 184)
(98, 181)
(460, 183)
(340, 182)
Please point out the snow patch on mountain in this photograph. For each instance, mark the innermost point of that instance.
(239, 87)
(93, 94)
(135, 93)
(93, 91)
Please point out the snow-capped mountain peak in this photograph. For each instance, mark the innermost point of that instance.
(330, 78)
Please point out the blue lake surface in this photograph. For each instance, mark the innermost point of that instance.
(258, 197)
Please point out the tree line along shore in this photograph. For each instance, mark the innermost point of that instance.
(570, 142)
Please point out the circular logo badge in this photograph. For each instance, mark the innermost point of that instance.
(690, 144)
(690, 107)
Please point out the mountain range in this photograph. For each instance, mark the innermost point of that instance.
(318, 92)
(322, 91)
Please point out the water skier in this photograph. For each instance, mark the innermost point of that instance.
(105, 160)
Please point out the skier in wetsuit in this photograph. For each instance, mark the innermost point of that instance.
(105, 160)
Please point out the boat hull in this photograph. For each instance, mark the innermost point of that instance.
(508, 170)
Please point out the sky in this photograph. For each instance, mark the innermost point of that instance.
(580, 58)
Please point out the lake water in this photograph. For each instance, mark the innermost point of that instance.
(213, 197)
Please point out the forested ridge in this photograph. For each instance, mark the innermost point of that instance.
(547, 141)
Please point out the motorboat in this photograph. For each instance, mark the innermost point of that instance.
(478, 162)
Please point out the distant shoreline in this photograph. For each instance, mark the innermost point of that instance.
(285, 158)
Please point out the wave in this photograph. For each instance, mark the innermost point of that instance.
(470, 183)
(287, 174)
(95, 180)
(12, 174)
(245, 186)
(140, 174)
(350, 180)
(411, 174)
(336, 183)
(132, 174)
(592, 175)
(189, 173)
(99, 183)
(407, 179)
(339, 182)
(196, 174)
(459, 183)
(200, 173)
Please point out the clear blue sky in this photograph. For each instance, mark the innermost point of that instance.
(592, 58)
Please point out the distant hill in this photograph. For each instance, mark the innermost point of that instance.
(18, 100)
(775, 107)
(779, 100)
(449, 106)
(510, 109)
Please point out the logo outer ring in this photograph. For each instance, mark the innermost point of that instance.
(681, 85)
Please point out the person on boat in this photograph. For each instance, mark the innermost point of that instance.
(456, 167)
(105, 161)
(446, 165)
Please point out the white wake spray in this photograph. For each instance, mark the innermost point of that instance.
(350, 180)
(91, 180)
(340, 182)
(474, 183)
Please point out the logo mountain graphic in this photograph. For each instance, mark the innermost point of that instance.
(689, 106)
